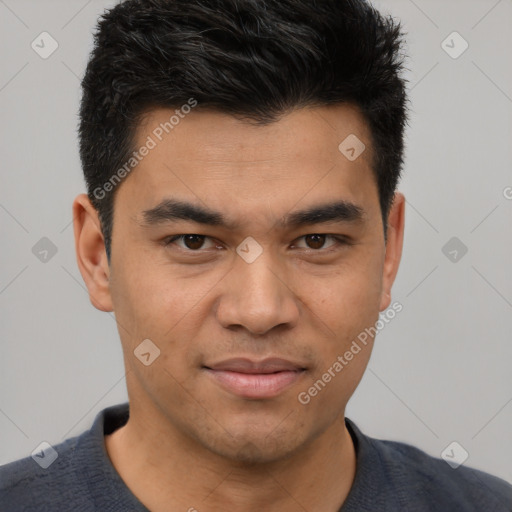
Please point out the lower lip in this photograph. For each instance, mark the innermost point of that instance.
(257, 385)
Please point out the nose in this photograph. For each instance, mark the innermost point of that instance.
(257, 297)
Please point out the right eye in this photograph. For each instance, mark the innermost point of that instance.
(189, 242)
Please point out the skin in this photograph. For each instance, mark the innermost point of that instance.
(189, 443)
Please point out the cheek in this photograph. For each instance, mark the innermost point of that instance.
(154, 302)
(345, 300)
(345, 306)
(153, 295)
(347, 309)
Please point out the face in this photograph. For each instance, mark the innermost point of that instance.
(252, 257)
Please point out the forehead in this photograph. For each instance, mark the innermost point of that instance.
(216, 134)
(213, 158)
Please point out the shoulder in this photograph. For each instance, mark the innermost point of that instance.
(398, 476)
(75, 474)
(435, 480)
(33, 482)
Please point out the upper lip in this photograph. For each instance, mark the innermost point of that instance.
(244, 365)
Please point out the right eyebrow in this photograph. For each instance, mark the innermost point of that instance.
(172, 209)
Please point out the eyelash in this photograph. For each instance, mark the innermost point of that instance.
(339, 239)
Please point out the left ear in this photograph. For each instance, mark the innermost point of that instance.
(394, 244)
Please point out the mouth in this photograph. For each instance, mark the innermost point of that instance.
(251, 379)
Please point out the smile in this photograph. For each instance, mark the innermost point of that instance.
(255, 380)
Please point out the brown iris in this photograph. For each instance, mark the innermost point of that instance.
(193, 241)
(315, 241)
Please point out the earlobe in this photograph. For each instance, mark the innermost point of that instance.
(394, 244)
(90, 252)
(385, 300)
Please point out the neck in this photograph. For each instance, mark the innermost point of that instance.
(168, 472)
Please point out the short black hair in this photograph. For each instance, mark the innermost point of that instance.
(254, 59)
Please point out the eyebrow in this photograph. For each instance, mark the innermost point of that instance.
(170, 210)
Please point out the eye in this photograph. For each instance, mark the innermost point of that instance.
(316, 241)
(190, 242)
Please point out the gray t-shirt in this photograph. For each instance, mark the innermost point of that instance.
(390, 477)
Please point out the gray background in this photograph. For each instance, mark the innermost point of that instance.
(440, 371)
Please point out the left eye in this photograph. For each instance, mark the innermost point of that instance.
(316, 241)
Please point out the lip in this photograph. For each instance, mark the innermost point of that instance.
(255, 379)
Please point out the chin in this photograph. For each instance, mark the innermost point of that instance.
(256, 450)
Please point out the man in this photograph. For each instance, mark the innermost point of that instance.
(242, 221)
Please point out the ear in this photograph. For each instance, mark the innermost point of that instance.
(394, 244)
(90, 252)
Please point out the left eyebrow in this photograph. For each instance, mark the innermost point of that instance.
(339, 211)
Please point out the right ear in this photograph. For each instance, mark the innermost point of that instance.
(91, 255)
